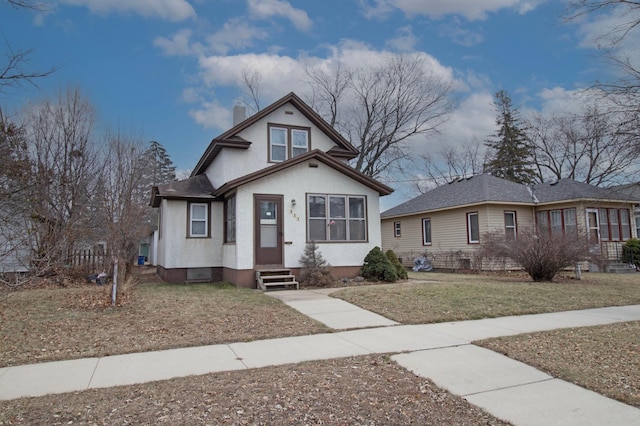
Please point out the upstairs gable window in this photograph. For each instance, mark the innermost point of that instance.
(287, 142)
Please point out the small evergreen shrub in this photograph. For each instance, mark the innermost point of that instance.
(377, 267)
(401, 272)
(315, 270)
(631, 252)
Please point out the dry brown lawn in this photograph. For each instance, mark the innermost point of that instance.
(39, 325)
(48, 324)
(437, 297)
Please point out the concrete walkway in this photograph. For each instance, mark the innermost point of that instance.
(441, 352)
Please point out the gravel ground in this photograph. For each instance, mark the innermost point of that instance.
(368, 390)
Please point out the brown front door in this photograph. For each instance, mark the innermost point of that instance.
(268, 229)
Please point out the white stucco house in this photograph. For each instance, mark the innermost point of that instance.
(260, 192)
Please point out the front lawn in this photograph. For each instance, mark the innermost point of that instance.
(437, 297)
(50, 324)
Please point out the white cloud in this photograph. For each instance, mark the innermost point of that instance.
(282, 74)
(405, 41)
(454, 31)
(235, 34)
(470, 9)
(179, 44)
(212, 115)
(170, 10)
(262, 9)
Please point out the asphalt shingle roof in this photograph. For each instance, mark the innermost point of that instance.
(485, 188)
(473, 190)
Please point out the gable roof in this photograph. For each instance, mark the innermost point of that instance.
(476, 189)
(570, 190)
(485, 188)
(194, 188)
(230, 138)
(630, 190)
(315, 154)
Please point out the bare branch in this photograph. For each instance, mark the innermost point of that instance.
(14, 73)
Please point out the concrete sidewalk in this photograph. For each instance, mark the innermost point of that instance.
(441, 352)
(332, 312)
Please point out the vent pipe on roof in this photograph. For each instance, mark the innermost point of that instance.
(239, 114)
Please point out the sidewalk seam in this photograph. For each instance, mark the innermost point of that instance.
(238, 358)
(93, 373)
(512, 387)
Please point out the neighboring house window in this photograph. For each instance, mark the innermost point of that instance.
(570, 224)
(336, 218)
(287, 142)
(510, 225)
(230, 220)
(637, 227)
(557, 222)
(198, 220)
(473, 228)
(397, 230)
(615, 224)
(426, 232)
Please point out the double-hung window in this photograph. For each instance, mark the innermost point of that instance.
(510, 225)
(287, 142)
(426, 231)
(198, 220)
(473, 228)
(397, 229)
(336, 218)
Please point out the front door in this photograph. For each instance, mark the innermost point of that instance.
(593, 230)
(268, 229)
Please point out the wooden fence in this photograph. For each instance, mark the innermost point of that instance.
(90, 260)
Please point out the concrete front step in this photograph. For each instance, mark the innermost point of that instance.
(621, 268)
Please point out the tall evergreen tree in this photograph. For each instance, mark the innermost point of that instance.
(160, 168)
(511, 157)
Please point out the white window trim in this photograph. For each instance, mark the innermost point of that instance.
(469, 233)
(205, 220)
(515, 223)
(424, 233)
(288, 141)
(397, 229)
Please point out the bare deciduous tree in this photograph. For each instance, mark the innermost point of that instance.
(624, 93)
(121, 212)
(251, 81)
(381, 109)
(451, 163)
(587, 146)
(63, 174)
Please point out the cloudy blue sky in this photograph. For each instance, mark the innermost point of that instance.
(171, 68)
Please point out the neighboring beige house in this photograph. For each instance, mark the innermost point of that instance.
(448, 222)
(633, 192)
(261, 192)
